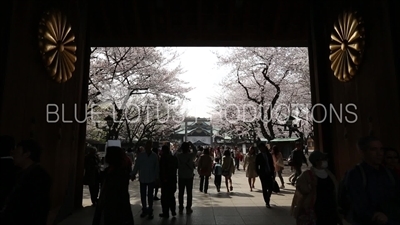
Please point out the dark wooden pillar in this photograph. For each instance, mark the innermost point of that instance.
(6, 12)
(394, 10)
(371, 90)
(27, 90)
(320, 87)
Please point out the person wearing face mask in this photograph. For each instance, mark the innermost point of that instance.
(315, 199)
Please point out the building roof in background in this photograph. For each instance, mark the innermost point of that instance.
(285, 139)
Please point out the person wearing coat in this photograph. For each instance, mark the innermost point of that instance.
(168, 181)
(315, 198)
(114, 207)
(266, 172)
(250, 167)
(204, 169)
(228, 168)
(278, 163)
(92, 173)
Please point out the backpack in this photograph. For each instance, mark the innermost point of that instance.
(217, 169)
(344, 198)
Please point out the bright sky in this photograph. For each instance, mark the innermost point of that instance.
(201, 73)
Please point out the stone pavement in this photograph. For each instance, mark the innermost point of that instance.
(238, 207)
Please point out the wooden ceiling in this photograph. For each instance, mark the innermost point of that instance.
(199, 23)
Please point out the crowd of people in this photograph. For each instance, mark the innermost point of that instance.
(319, 197)
(369, 193)
(171, 171)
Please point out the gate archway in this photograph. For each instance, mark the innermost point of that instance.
(26, 89)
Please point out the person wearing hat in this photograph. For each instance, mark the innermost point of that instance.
(316, 194)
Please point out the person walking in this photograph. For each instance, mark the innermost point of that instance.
(157, 185)
(168, 180)
(314, 201)
(148, 167)
(92, 173)
(278, 163)
(114, 207)
(186, 175)
(228, 168)
(217, 171)
(237, 155)
(298, 159)
(250, 167)
(266, 172)
(204, 168)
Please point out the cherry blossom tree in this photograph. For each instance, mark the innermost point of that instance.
(128, 83)
(264, 88)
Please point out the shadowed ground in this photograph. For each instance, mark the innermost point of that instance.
(238, 207)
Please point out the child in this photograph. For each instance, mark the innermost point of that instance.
(217, 171)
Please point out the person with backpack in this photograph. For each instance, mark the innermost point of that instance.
(315, 199)
(217, 171)
(370, 193)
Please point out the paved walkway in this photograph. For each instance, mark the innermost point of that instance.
(238, 207)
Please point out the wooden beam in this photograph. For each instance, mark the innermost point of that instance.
(278, 21)
(138, 22)
(107, 29)
(200, 23)
(167, 13)
(152, 17)
(232, 13)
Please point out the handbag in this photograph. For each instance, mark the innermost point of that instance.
(225, 173)
(275, 187)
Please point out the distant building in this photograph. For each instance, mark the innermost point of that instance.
(199, 131)
(286, 145)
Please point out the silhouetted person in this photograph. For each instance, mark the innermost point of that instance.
(168, 180)
(217, 171)
(392, 160)
(266, 172)
(373, 191)
(29, 201)
(298, 159)
(7, 168)
(228, 168)
(204, 168)
(250, 166)
(114, 203)
(92, 173)
(148, 167)
(157, 186)
(185, 175)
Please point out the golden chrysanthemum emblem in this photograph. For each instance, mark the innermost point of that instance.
(57, 45)
(347, 45)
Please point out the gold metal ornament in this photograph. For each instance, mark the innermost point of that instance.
(347, 45)
(57, 45)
